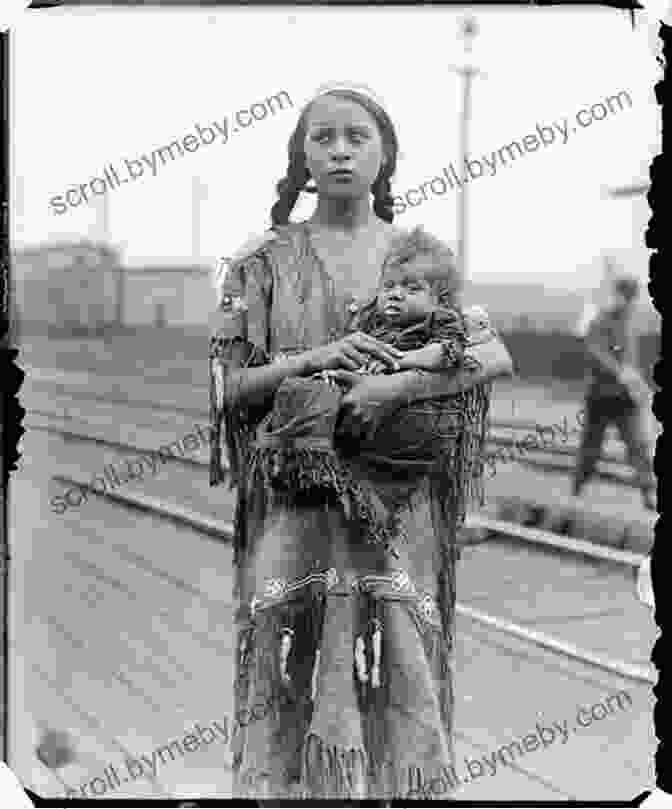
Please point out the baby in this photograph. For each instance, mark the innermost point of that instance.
(298, 448)
(413, 308)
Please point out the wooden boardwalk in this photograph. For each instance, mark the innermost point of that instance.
(122, 636)
(121, 622)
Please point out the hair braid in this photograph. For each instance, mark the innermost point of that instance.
(383, 200)
(291, 185)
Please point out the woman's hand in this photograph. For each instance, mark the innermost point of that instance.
(369, 400)
(350, 353)
(427, 358)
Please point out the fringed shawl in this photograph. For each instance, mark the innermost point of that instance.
(295, 450)
(289, 458)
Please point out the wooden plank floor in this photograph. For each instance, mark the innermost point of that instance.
(131, 619)
(122, 624)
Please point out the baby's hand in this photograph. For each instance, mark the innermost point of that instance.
(376, 367)
(428, 358)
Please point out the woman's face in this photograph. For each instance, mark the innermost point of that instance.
(343, 147)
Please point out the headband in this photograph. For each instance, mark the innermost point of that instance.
(362, 89)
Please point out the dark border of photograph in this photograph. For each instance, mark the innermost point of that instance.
(11, 414)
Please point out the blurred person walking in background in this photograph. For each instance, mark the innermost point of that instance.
(617, 392)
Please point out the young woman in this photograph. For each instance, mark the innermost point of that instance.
(344, 651)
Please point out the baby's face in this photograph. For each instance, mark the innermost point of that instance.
(404, 295)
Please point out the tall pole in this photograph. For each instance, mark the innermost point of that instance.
(462, 208)
(99, 230)
(467, 71)
(105, 218)
(119, 314)
(198, 194)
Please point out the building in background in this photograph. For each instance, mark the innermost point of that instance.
(67, 286)
(81, 288)
(167, 296)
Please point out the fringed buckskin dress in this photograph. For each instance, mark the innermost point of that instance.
(344, 650)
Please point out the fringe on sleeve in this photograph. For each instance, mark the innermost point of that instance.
(229, 422)
(241, 342)
(232, 426)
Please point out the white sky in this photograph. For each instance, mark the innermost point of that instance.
(93, 86)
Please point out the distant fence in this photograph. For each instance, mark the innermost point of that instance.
(559, 355)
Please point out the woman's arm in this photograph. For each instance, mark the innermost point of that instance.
(486, 359)
(386, 393)
(242, 375)
(596, 343)
(372, 398)
(490, 361)
(603, 360)
(253, 385)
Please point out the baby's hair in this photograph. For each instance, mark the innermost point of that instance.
(444, 277)
(291, 185)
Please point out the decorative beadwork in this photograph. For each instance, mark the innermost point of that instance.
(316, 674)
(399, 581)
(332, 578)
(376, 644)
(399, 585)
(218, 376)
(286, 639)
(233, 303)
(427, 607)
(275, 589)
(360, 660)
(223, 267)
(402, 581)
(243, 651)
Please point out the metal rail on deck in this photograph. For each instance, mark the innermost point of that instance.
(114, 398)
(553, 465)
(171, 511)
(532, 535)
(524, 533)
(630, 671)
(65, 416)
(224, 530)
(498, 437)
(58, 379)
(536, 536)
(106, 442)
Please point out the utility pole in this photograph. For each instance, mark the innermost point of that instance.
(105, 218)
(99, 231)
(468, 31)
(199, 193)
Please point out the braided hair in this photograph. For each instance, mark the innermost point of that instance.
(297, 176)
